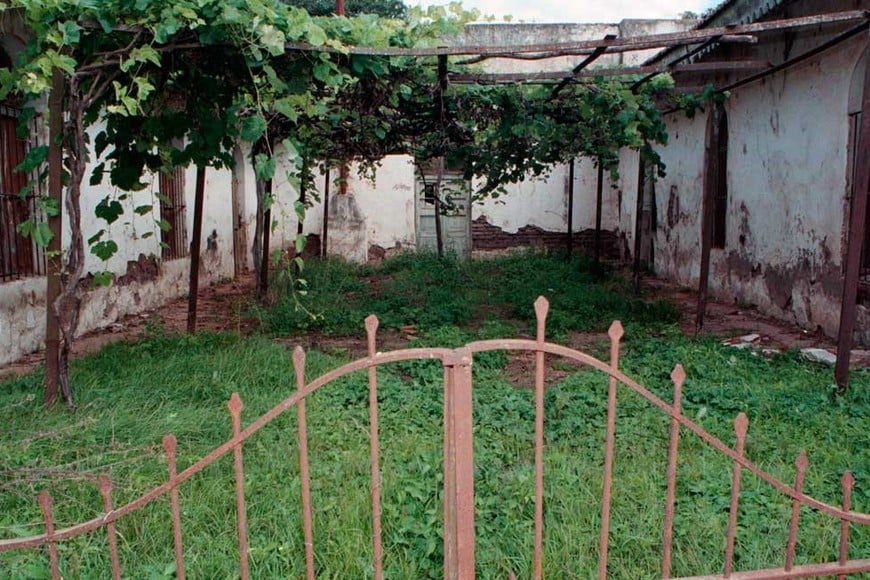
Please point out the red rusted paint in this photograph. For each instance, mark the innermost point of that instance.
(542, 307)
(106, 492)
(235, 406)
(371, 324)
(802, 463)
(170, 445)
(45, 502)
(304, 471)
(678, 376)
(848, 485)
(741, 426)
(615, 334)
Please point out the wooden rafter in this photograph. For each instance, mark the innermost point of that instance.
(718, 66)
(552, 50)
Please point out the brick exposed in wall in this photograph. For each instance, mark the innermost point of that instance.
(486, 236)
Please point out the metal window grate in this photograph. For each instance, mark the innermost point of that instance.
(19, 256)
(173, 212)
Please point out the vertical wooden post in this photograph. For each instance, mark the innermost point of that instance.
(325, 235)
(571, 208)
(598, 203)
(709, 193)
(195, 246)
(458, 468)
(857, 225)
(638, 222)
(263, 285)
(442, 86)
(339, 7)
(54, 259)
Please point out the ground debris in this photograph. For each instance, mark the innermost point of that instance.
(819, 355)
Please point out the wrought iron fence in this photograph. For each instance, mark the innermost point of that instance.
(458, 503)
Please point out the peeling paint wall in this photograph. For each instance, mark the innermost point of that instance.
(787, 190)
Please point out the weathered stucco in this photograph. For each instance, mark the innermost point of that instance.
(788, 140)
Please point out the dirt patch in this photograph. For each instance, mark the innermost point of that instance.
(225, 308)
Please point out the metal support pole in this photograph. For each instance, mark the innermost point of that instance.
(638, 223)
(857, 227)
(55, 223)
(599, 196)
(571, 208)
(323, 246)
(267, 229)
(195, 246)
(710, 173)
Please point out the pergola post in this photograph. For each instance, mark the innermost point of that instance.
(195, 247)
(638, 222)
(710, 172)
(855, 241)
(599, 200)
(571, 208)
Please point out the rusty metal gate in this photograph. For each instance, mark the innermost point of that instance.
(458, 504)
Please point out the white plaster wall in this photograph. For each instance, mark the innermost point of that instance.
(534, 202)
(22, 303)
(388, 202)
(788, 139)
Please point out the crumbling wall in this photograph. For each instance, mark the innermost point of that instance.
(787, 191)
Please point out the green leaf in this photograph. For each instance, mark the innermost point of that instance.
(42, 234)
(301, 241)
(33, 159)
(97, 174)
(50, 206)
(316, 36)
(71, 32)
(164, 225)
(253, 128)
(264, 166)
(146, 235)
(96, 237)
(143, 209)
(109, 210)
(103, 278)
(105, 249)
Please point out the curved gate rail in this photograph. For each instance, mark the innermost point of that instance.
(459, 536)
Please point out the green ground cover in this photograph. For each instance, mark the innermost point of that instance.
(130, 395)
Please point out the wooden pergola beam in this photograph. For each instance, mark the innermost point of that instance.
(717, 66)
(623, 44)
(552, 50)
(582, 65)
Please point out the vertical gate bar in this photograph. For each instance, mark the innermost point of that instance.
(235, 406)
(45, 502)
(678, 376)
(848, 484)
(170, 445)
(304, 473)
(451, 570)
(541, 309)
(463, 444)
(741, 426)
(371, 323)
(106, 491)
(615, 334)
(801, 464)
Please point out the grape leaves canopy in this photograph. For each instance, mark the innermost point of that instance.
(171, 83)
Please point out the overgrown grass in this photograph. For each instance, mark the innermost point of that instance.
(423, 291)
(130, 395)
